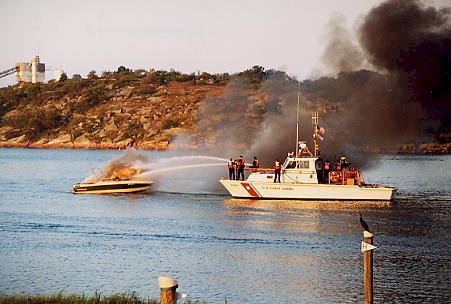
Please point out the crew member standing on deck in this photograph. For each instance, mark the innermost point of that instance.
(240, 164)
(231, 166)
(277, 168)
(255, 163)
(327, 168)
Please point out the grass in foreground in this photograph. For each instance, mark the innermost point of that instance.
(97, 298)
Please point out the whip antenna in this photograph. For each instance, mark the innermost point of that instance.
(297, 121)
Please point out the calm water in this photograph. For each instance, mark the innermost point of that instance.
(216, 247)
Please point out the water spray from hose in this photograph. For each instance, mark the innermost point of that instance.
(156, 172)
(172, 173)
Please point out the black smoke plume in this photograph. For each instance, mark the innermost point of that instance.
(413, 43)
(406, 96)
(404, 93)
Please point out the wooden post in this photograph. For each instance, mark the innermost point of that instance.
(168, 293)
(368, 268)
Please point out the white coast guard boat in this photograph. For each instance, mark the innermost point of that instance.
(305, 176)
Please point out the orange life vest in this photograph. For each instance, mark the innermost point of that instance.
(230, 165)
(352, 174)
(277, 165)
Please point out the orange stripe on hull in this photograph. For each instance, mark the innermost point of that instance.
(250, 190)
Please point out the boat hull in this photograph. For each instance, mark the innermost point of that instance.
(298, 191)
(105, 187)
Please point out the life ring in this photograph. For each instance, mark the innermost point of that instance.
(334, 176)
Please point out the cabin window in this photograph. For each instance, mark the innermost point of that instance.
(291, 164)
(304, 165)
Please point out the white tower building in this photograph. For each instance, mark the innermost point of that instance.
(33, 72)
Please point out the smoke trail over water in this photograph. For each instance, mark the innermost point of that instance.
(242, 122)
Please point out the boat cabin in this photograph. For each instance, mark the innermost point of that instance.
(300, 170)
(294, 170)
(310, 170)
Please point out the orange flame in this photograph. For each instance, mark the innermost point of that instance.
(123, 173)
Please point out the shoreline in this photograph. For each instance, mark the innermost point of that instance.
(423, 149)
(163, 146)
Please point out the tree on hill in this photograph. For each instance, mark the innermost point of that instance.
(63, 77)
(92, 75)
(255, 75)
(123, 69)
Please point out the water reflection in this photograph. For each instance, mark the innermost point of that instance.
(327, 217)
(296, 205)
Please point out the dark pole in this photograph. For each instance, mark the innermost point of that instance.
(368, 266)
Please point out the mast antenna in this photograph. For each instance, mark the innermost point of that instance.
(315, 131)
(297, 121)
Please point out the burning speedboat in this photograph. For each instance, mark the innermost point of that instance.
(119, 181)
(113, 186)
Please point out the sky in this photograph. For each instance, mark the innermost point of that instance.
(188, 36)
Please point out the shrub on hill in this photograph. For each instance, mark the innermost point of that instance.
(34, 121)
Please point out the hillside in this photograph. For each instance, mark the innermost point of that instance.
(147, 109)
(118, 110)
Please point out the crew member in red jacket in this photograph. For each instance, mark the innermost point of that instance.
(240, 165)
